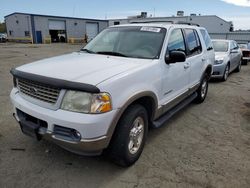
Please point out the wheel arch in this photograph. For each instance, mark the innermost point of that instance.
(147, 99)
(208, 71)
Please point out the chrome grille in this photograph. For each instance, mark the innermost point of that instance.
(38, 91)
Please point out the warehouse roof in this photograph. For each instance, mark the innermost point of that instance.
(54, 16)
(170, 17)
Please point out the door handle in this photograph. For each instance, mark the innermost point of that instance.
(186, 66)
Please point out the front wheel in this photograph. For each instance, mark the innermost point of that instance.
(202, 90)
(226, 73)
(129, 137)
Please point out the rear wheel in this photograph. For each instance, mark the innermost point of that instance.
(202, 90)
(238, 67)
(244, 62)
(226, 73)
(129, 137)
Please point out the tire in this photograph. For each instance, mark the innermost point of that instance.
(202, 90)
(226, 73)
(132, 127)
(238, 67)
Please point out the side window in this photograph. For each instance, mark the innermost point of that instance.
(236, 45)
(26, 33)
(176, 41)
(198, 41)
(231, 45)
(193, 42)
(207, 39)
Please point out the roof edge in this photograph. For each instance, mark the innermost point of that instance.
(53, 16)
(167, 17)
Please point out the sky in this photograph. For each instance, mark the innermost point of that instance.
(237, 11)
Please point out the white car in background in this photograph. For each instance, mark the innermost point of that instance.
(228, 57)
(3, 37)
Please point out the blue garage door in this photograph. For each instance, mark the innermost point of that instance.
(39, 39)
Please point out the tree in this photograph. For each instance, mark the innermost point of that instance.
(231, 27)
(2, 27)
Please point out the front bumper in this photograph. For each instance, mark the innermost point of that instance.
(93, 128)
(218, 70)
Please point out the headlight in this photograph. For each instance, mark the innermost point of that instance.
(219, 61)
(77, 101)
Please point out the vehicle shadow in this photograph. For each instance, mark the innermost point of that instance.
(77, 170)
(47, 164)
(98, 171)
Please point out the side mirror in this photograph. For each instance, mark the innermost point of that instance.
(233, 51)
(175, 56)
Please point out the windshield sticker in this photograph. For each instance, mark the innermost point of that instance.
(151, 29)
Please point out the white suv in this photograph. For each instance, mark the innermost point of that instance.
(107, 95)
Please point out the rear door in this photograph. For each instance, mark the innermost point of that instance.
(233, 56)
(195, 60)
(238, 54)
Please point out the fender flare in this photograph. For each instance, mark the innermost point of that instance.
(123, 108)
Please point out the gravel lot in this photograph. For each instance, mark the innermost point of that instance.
(205, 145)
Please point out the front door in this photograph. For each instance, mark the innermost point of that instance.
(176, 75)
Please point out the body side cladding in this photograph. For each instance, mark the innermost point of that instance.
(174, 102)
(58, 83)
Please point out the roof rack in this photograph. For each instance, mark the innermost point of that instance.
(169, 21)
(187, 23)
(155, 21)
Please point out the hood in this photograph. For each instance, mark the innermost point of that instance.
(245, 49)
(82, 67)
(220, 55)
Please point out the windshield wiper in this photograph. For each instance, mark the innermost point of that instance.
(111, 53)
(87, 50)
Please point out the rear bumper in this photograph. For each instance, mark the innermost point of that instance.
(94, 129)
(246, 58)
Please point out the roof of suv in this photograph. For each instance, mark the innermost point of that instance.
(166, 25)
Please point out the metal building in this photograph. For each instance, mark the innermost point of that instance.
(47, 28)
(217, 27)
(212, 23)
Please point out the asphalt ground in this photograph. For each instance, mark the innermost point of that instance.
(206, 145)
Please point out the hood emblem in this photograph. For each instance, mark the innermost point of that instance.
(33, 90)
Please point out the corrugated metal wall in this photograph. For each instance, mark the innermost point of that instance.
(241, 37)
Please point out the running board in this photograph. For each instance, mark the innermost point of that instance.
(165, 117)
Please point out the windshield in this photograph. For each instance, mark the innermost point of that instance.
(137, 42)
(244, 46)
(220, 46)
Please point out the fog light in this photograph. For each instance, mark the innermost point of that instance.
(76, 134)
